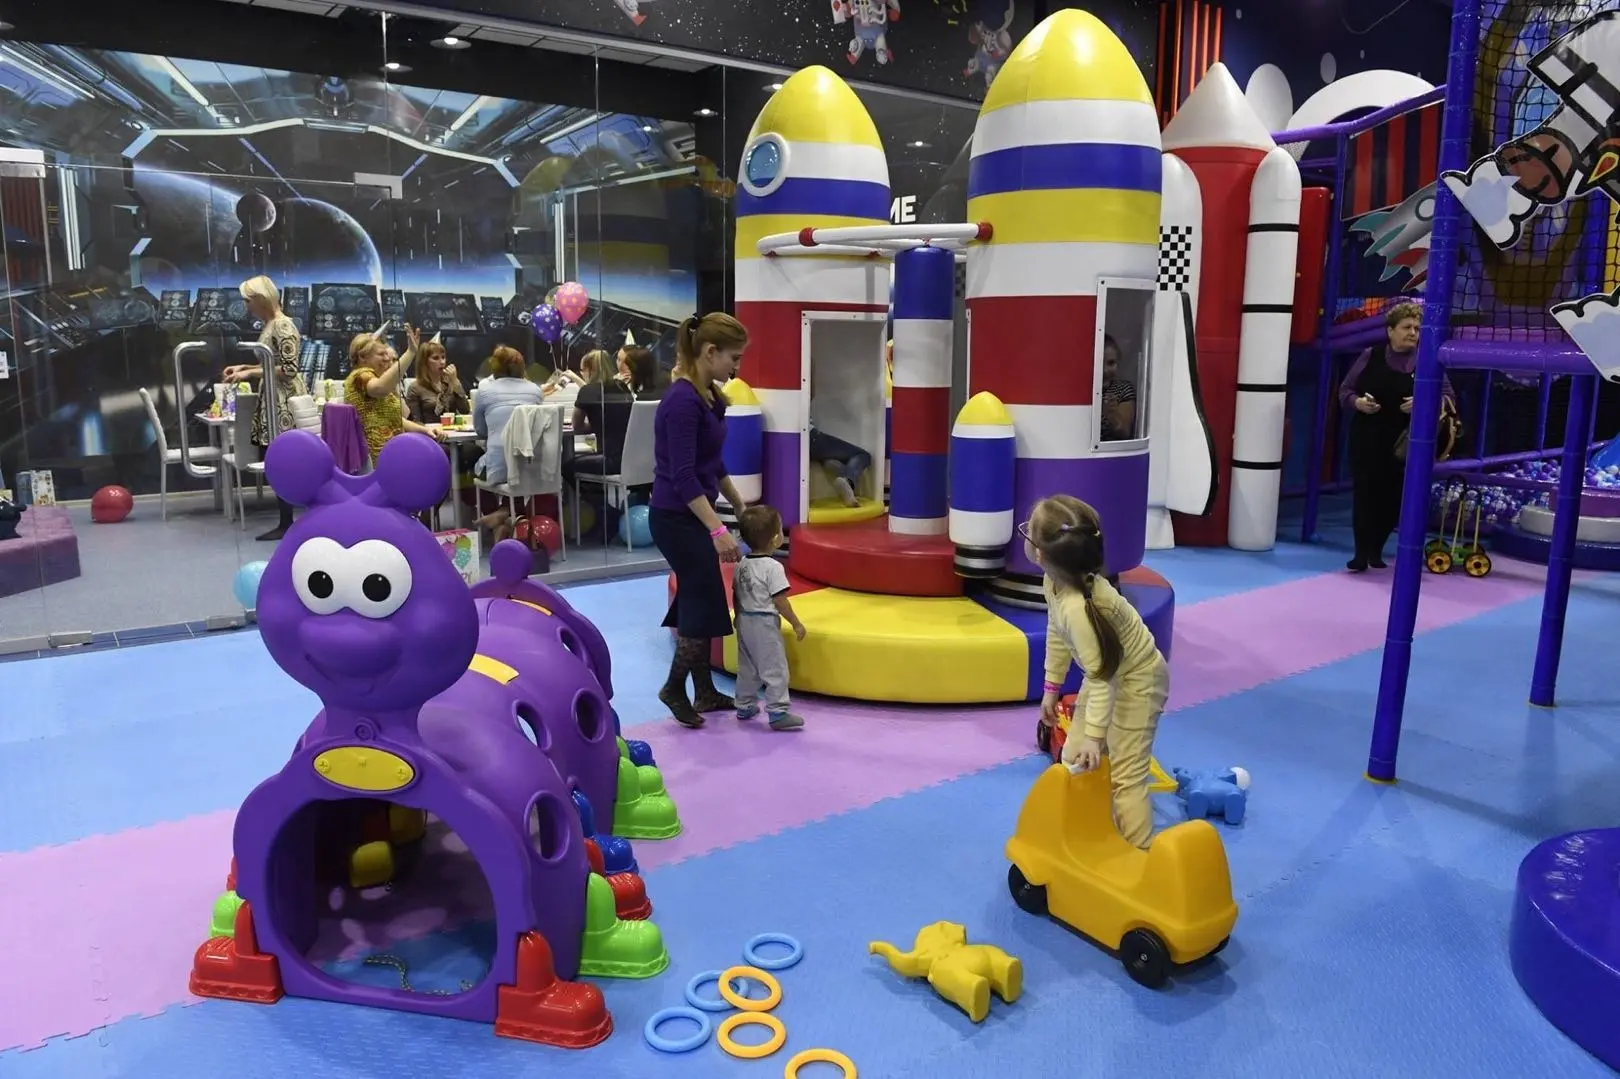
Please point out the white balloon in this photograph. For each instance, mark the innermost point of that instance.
(1240, 776)
(1270, 96)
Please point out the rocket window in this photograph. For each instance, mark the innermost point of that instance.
(764, 165)
(1123, 360)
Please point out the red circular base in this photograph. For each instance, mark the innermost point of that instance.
(867, 557)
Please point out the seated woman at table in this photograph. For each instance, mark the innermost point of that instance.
(437, 390)
(642, 374)
(601, 409)
(507, 388)
(372, 388)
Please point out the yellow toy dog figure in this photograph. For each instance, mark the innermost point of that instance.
(961, 973)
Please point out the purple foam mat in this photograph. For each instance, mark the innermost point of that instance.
(1513, 542)
(1564, 939)
(46, 551)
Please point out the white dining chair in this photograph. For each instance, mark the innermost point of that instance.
(242, 457)
(169, 458)
(635, 465)
(514, 488)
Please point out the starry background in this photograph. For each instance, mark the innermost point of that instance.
(929, 41)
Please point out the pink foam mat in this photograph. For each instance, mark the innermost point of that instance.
(104, 928)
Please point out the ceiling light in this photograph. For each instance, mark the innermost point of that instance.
(450, 41)
(771, 88)
(705, 113)
(394, 67)
(918, 144)
(6, 27)
(648, 128)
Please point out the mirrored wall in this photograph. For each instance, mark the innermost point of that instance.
(140, 189)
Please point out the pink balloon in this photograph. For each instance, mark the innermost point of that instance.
(572, 301)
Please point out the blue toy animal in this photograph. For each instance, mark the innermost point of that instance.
(1223, 794)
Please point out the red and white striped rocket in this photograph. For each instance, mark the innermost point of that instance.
(812, 160)
(1220, 138)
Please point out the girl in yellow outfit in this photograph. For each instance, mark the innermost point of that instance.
(1126, 677)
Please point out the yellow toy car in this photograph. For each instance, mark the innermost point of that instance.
(1156, 909)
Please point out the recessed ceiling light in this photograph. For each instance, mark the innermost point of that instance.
(771, 88)
(705, 113)
(394, 67)
(6, 27)
(648, 128)
(450, 41)
(918, 144)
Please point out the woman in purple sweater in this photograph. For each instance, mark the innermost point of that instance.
(689, 431)
(1377, 393)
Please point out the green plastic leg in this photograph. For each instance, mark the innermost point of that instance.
(617, 949)
(624, 749)
(223, 923)
(643, 809)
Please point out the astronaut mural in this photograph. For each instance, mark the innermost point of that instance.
(991, 38)
(871, 19)
(1574, 152)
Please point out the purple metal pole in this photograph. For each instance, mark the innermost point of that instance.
(1325, 388)
(1443, 243)
(1360, 123)
(1543, 404)
(1465, 353)
(1561, 553)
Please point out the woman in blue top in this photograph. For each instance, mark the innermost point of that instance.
(507, 387)
(689, 431)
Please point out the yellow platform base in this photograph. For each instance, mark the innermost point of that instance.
(830, 511)
(915, 649)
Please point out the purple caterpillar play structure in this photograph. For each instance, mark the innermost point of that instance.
(462, 733)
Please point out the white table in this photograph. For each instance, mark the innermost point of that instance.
(455, 438)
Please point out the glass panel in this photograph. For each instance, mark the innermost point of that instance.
(1123, 361)
(29, 533)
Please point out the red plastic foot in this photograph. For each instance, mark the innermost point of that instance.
(630, 900)
(230, 878)
(543, 1008)
(235, 969)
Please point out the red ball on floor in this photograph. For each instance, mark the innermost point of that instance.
(538, 532)
(110, 505)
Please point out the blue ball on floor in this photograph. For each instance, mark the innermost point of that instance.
(246, 585)
(633, 523)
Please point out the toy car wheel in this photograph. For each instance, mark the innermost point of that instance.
(1043, 737)
(1439, 562)
(1477, 564)
(1031, 898)
(1146, 958)
(1433, 546)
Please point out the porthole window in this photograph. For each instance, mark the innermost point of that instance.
(764, 165)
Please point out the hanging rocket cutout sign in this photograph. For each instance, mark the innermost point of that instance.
(1575, 152)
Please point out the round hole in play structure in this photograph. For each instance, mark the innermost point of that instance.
(548, 826)
(528, 721)
(570, 640)
(591, 716)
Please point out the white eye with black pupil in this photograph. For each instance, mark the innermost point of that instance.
(372, 578)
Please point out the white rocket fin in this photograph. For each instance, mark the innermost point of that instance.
(1192, 482)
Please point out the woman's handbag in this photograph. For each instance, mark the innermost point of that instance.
(1446, 433)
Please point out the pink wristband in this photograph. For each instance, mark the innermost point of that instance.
(716, 533)
(1052, 687)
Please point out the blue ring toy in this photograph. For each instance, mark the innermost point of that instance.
(752, 957)
(671, 1045)
(714, 1004)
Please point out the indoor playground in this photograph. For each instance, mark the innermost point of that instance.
(409, 825)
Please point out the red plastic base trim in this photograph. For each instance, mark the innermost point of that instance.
(542, 1008)
(867, 557)
(630, 900)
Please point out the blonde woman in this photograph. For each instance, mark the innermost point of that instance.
(373, 389)
(280, 335)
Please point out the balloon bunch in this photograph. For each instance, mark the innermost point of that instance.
(565, 305)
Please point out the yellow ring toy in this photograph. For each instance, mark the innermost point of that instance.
(819, 1056)
(770, 1022)
(773, 989)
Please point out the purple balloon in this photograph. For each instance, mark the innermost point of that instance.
(547, 323)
